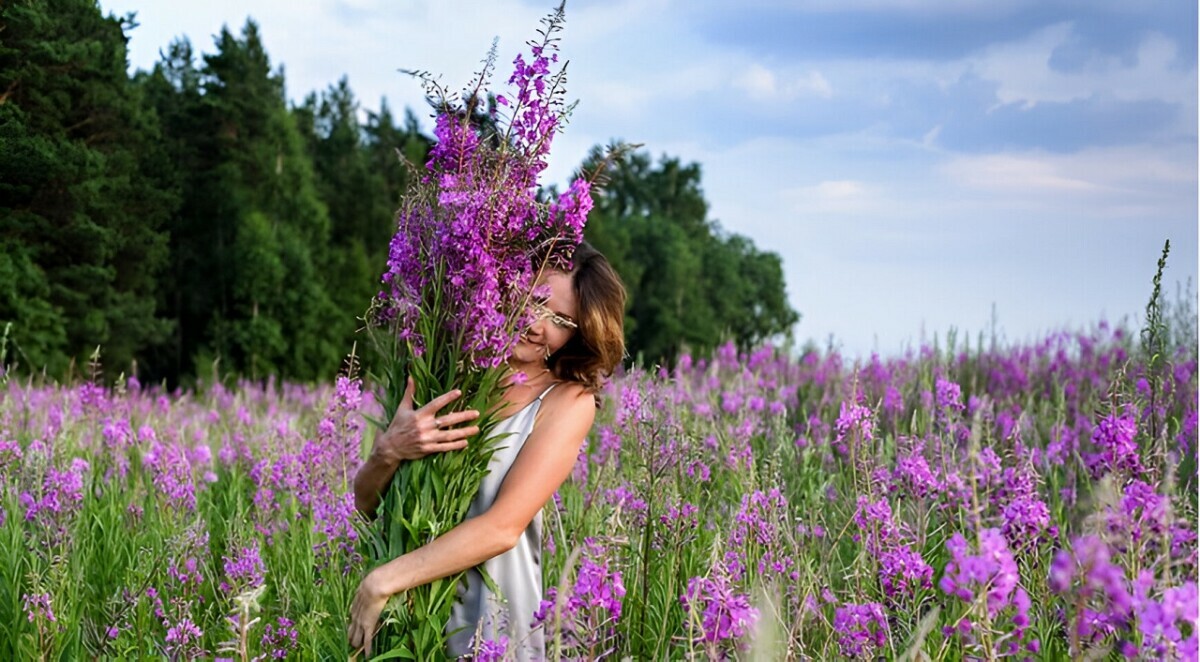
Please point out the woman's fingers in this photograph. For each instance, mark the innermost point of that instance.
(456, 418)
(406, 402)
(435, 405)
(455, 435)
(360, 632)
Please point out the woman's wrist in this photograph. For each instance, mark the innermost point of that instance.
(381, 458)
(385, 580)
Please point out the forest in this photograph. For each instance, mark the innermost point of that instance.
(190, 219)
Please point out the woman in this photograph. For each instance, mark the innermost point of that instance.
(564, 357)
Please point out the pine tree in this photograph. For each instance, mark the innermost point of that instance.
(85, 188)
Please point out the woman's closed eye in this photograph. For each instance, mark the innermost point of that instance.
(561, 321)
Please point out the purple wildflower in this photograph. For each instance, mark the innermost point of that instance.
(902, 571)
(587, 618)
(279, 639)
(854, 425)
(992, 570)
(183, 639)
(491, 650)
(37, 605)
(861, 628)
(1115, 437)
(724, 616)
(244, 570)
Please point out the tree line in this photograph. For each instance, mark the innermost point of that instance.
(189, 215)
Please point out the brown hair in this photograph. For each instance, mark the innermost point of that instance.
(598, 346)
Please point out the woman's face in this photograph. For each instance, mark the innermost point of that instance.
(555, 321)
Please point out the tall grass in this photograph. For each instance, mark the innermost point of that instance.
(1033, 500)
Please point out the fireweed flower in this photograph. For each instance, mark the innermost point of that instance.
(183, 639)
(755, 537)
(861, 629)
(588, 616)
(10, 456)
(854, 422)
(37, 606)
(912, 474)
(1027, 522)
(1115, 438)
(992, 570)
(244, 570)
(948, 398)
(172, 474)
(902, 571)
(1086, 572)
(491, 650)
(60, 498)
(723, 615)
(278, 639)
(874, 519)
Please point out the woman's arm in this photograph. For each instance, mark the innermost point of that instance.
(543, 464)
(411, 435)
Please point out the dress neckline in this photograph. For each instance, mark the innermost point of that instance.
(530, 403)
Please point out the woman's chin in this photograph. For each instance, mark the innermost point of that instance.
(526, 352)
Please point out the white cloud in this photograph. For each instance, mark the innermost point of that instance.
(763, 84)
(758, 81)
(832, 197)
(1134, 178)
(1024, 76)
(1025, 173)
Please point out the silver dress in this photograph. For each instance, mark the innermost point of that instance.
(480, 615)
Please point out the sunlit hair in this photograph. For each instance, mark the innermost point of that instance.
(598, 346)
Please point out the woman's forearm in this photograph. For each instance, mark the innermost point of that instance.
(370, 481)
(465, 546)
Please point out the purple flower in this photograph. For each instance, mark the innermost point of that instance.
(491, 650)
(902, 571)
(10, 454)
(587, 617)
(912, 472)
(61, 496)
(1086, 572)
(1027, 521)
(279, 638)
(172, 474)
(243, 570)
(855, 423)
(949, 395)
(724, 615)
(37, 605)
(861, 628)
(874, 519)
(992, 570)
(183, 638)
(1115, 437)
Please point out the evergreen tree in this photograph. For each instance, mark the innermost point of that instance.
(250, 248)
(85, 189)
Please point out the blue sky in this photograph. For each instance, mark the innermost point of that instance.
(917, 164)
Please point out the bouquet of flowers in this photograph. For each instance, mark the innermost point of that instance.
(472, 237)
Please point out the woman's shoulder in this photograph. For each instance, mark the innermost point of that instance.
(568, 392)
(569, 398)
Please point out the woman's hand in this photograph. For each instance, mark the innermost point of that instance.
(368, 603)
(415, 433)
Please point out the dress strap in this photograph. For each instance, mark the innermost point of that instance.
(546, 391)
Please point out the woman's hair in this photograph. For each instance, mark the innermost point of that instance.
(594, 351)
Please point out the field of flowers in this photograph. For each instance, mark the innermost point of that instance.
(1035, 501)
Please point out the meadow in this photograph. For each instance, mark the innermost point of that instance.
(1033, 500)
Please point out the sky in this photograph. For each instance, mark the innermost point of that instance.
(920, 166)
